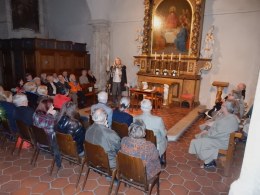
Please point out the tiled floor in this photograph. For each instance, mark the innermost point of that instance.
(182, 174)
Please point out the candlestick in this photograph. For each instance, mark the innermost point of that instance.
(155, 56)
(179, 56)
(171, 56)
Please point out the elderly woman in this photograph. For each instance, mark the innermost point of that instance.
(208, 142)
(155, 124)
(120, 115)
(135, 145)
(68, 123)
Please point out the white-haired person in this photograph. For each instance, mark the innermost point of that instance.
(23, 111)
(156, 124)
(208, 142)
(135, 145)
(120, 115)
(102, 103)
(30, 90)
(100, 134)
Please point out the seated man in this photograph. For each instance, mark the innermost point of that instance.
(102, 103)
(208, 142)
(136, 145)
(23, 112)
(100, 134)
(83, 79)
(155, 124)
(119, 114)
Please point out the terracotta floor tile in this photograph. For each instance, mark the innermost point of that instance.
(133, 191)
(38, 171)
(187, 175)
(86, 193)
(20, 175)
(41, 187)
(209, 191)
(176, 179)
(164, 174)
(199, 171)
(214, 176)
(20, 162)
(65, 172)
(53, 192)
(204, 181)
(220, 187)
(179, 190)
(22, 191)
(90, 185)
(46, 177)
(11, 170)
(192, 185)
(173, 170)
(71, 189)
(30, 181)
(184, 167)
(4, 179)
(44, 163)
(5, 165)
(59, 183)
(195, 193)
(10, 186)
(165, 184)
(180, 159)
(166, 192)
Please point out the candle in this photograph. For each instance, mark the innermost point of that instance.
(155, 56)
(179, 56)
(162, 55)
(171, 56)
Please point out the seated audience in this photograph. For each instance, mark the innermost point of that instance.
(9, 109)
(44, 117)
(32, 96)
(76, 92)
(68, 122)
(65, 75)
(37, 81)
(102, 103)
(55, 77)
(43, 78)
(136, 145)
(119, 114)
(63, 86)
(52, 87)
(91, 77)
(208, 142)
(23, 112)
(100, 134)
(155, 124)
(59, 100)
(83, 79)
(19, 87)
(28, 77)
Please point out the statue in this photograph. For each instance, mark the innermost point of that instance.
(207, 51)
(165, 93)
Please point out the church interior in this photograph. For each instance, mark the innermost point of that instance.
(189, 64)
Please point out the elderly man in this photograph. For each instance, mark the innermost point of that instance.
(23, 111)
(100, 134)
(208, 142)
(102, 103)
(155, 124)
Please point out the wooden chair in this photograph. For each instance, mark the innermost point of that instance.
(188, 98)
(41, 140)
(25, 134)
(132, 171)
(97, 160)
(149, 136)
(157, 99)
(120, 128)
(7, 134)
(134, 101)
(68, 150)
(91, 94)
(229, 153)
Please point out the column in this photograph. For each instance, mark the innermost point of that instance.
(100, 56)
(220, 86)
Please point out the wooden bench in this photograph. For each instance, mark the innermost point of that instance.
(229, 153)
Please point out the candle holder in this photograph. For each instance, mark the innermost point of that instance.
(174, 73)
(165, 72)
(157, 71)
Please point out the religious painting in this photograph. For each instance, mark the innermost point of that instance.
(25, 14)
(171, 27)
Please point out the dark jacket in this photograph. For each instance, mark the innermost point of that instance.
(50, 89)
(62, 88)
(10, 109)
(25, 114)
(122, 117)
(73, 127)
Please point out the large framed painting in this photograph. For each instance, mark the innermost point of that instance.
(25, 14)
(173, 27)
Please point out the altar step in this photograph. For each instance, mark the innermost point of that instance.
(180, 127)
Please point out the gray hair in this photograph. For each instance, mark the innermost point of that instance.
(42, 90)
(19, 99)
(146, 105)
(102, 97)
(99, 115)
(124, 103)
(30, 87)
(137, 129)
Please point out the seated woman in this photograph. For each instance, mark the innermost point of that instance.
(119, 114)
(135, 145)
(68, 123)
(208, 142)
(44, 117)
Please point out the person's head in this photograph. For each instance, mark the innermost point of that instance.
(72, 78)
(43, 76)
(50, 78)
(65, 73)
(89, 72)
(69, 109)
(146, 105)
(117, 61)
(137, 129)
(84, 72)
(20, 99)
(228, 107)
(54, 75)
(30, 87)
(37, 81)
(42, 90)
(241, 86)
(45, 106)
(28, 77)
(99, 116)
(7, 96)
(124, 103)
(102, 97)
(61, 78)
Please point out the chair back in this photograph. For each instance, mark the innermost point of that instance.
(67, 145)
(150, 136)
(131, 169)
(90, 120)
(40, 136)
(24, 130)
(96, 157)
(6, 126)
(120, 128)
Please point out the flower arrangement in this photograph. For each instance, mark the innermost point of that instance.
(174, 73)
(157, 71)
(165, 72)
